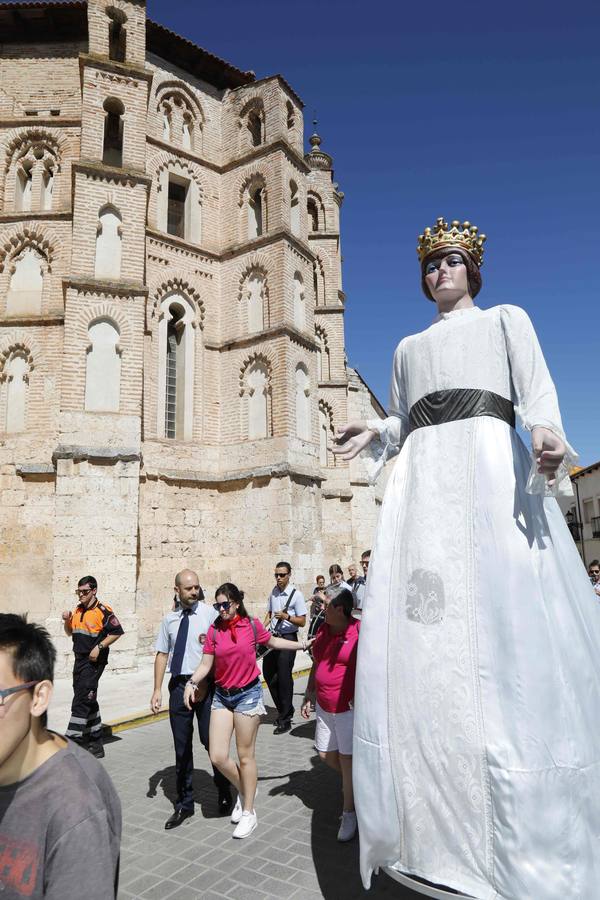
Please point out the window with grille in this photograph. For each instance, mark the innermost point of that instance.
(176, 208)
(173, 374)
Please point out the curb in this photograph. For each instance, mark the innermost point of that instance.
(138, 719)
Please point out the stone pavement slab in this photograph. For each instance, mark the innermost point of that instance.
(292, 854)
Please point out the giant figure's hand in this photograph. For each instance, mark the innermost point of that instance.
(351, 439)
(549, 451)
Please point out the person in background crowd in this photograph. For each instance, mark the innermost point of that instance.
(60, 816)
(594, 573)
(286, 613)
(336, 576)
(93, 627)
(359, 588)
(352, 574)
(181, 636)
(331, 683)
(237, 705)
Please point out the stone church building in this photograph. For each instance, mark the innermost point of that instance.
(172, 361)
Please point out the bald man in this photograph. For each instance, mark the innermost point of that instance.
(179, 646)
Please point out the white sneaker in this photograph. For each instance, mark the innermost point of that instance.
(348, 826)
(246, 825)
(236, 813)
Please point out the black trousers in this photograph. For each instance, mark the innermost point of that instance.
(182, 726)
(85, 723)
(277, 671)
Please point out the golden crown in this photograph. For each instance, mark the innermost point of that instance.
(443, 235)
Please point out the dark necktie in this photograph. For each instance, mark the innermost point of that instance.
(179, 651)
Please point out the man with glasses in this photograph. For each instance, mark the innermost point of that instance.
(93, 627)
(594, 573)
(180, 646)
(286, 613)
(359, 588)
(60, 816)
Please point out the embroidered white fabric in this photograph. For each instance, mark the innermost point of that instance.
(476, 742)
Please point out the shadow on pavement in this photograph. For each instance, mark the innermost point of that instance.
(336, 864)
(205, 792)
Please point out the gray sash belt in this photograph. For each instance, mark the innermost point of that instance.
(459, 403)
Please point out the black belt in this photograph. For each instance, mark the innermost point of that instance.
(459, 403)
(231, 692)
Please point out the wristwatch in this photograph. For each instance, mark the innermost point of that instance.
(100, 646)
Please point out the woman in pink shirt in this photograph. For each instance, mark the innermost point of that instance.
(237, 705)
(332, 682)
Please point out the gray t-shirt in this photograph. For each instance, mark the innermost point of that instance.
(60, 831)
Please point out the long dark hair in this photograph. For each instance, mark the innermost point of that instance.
(335, 569)
(233, 593)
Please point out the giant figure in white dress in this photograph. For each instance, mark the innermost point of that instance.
(477, 710)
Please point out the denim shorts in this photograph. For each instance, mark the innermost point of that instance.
(248, 702)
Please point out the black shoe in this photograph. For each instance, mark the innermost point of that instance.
(282, 728)
(96, 749)
(225, 803)
(179, 816)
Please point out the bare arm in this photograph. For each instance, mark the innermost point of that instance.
(160, 667)
(276, 643)
(309, 695)
(200, 673)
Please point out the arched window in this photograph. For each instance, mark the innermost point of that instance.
(181, 118)
(255, 129)
(187, 131)
(108, 244)
(294, 208)
(112, 148)
(319, 283)
(325, 435)
(290, 115)
(256, 296)
(313, 214)
(256, 390)
(176, 368)
(255, 212)
(26, 284)
(103, 367)
(323, 361)
(117, 37)
(25, 187)
(15, 374)
(299, 304)
(303, 429)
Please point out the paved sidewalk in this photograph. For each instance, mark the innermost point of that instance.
(292, 854)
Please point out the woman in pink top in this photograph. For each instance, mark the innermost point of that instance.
(237, 705)
(331, 681)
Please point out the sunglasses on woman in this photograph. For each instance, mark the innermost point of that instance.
(225, 604)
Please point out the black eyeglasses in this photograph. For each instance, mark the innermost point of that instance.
(6, 692)
(281, 574)
(225, 604)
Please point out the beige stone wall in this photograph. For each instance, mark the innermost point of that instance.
(106, 493)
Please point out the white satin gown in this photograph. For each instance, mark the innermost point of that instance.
(477, 708)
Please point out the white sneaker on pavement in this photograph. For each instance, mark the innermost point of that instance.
(246, 825)
(236, 813)
(348, 826)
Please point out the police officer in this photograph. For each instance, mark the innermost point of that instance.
(181, 636)
(93, 627)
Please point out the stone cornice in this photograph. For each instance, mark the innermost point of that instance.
(329, 310)
(185, 154)
(126, 71)
(265, 150)
(170, 240)
(24, 321)
(267, 334)
(37, 216)
(36, 470)
(271, 237)
(333, 384)
(316, 235)
(97, 169)
(102, 286)
(39, 122)
(113, 454)
(278, 470)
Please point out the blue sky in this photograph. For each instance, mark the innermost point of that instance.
(481, 111)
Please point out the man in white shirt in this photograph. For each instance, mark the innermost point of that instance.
(180, 644)
(359, 588)
(286, 613)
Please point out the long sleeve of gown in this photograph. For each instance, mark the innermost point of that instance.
(392, 431)
(534, 395)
